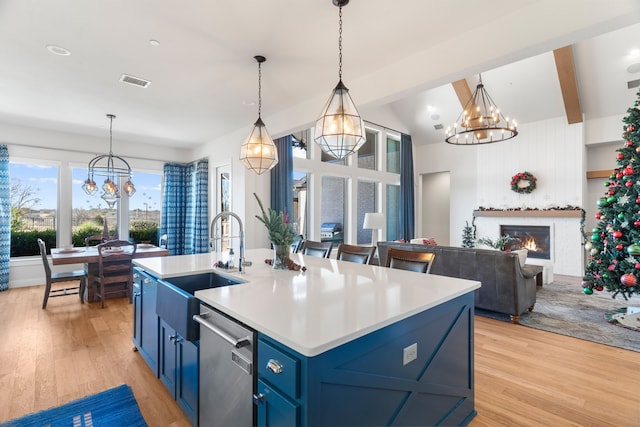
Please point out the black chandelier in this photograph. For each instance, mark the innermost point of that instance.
(111, 167)
(481, 121)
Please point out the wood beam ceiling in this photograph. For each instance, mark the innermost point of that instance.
(463, 91)
(568, 83)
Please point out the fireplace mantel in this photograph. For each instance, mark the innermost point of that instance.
(547, 213)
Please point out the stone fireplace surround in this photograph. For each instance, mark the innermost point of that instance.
(567, 251)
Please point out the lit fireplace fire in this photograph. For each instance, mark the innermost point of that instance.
(536, 239)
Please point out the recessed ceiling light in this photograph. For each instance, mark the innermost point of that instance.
(435, 117)
(58, 50)
(153, 42)
(634, 68)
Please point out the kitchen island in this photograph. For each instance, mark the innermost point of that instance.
(350, 344)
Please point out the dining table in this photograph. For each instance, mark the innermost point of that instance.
(89, 257)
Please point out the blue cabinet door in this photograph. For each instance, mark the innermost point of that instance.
(149, 323)
(137, 310)
(167, 360)
(275, 409)
(187, 364)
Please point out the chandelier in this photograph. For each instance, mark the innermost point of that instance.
(340, 129)
(112, 168)
(481, 121)
(258, 152)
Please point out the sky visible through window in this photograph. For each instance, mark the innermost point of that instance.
(43, 181)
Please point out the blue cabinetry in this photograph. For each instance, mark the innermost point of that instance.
(179, 362)
(418, 371)
(145, 319)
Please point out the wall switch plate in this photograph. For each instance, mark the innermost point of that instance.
(410, 353)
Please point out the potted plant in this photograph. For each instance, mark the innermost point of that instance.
(281, 234)
(498, 244)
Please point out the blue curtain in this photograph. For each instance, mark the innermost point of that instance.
(407, 194)
(282, 178)
(185, 207)
(5, 218)
(197, 221)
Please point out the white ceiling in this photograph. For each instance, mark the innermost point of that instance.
(402, 54)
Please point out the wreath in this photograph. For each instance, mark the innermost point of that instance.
(523, 183)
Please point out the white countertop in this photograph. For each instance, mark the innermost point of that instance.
(330, 304)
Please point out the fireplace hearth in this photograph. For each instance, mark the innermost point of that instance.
(536, 239)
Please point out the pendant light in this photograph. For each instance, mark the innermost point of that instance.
(340, 129)
(258, 152)
(481, 121)
(111, 167)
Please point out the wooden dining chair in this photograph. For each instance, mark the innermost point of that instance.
(410, 260)
(115, 269)
(319, 249)
(355, 253)
(66, 276)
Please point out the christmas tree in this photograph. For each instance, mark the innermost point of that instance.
(614, 262)
(469, 235)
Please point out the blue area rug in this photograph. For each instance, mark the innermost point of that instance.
(116, 407)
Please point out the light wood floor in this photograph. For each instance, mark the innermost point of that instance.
(523, 376)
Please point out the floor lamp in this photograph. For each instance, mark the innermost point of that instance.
(373, 221)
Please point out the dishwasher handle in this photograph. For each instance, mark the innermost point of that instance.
(236, 342)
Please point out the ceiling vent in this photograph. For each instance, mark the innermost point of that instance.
(439, 126)
(633, 83)
(136, 81)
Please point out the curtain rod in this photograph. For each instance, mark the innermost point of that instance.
(383, 127)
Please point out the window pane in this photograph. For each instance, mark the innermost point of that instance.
(144, 207)
(300, 143)
(393, 212)
(366, 203)
(89, 212)
(332, 206)
(330, 159)
(300, 202)
(393, 155)
(367, 153)
(34, 207)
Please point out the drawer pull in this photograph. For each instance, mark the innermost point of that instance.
(274, 366)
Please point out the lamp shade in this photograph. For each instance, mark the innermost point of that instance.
(373, 221)
(259, 152)
(340, 129)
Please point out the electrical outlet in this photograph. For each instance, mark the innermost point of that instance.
(410, 353)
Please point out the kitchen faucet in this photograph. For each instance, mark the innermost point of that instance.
(212, 242)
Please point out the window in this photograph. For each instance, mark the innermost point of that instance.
(393, 155)
(34, 206)
(393, 212)
(144, 207)
(300, 211)
(367, 153)
(366, 203)
(333, 206)
(89, 212)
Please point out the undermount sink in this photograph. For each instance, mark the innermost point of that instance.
(176, 305)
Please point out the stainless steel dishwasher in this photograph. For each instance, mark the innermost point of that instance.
(227, 350)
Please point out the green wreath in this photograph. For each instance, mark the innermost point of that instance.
(523, 177)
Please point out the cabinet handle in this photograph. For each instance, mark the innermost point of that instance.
(274, 366)
(146, 281)
(172, 338)
(258, 398)
(137, 294)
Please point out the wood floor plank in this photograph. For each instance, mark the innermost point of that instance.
(523, 376)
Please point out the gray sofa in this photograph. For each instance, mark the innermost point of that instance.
(506, 286)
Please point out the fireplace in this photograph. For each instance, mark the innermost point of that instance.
(536, 239)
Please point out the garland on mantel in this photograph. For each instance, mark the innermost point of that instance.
(557, 208)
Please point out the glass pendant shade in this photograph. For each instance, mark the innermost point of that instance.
(90, 186)
(258, 152)
(340, 129)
